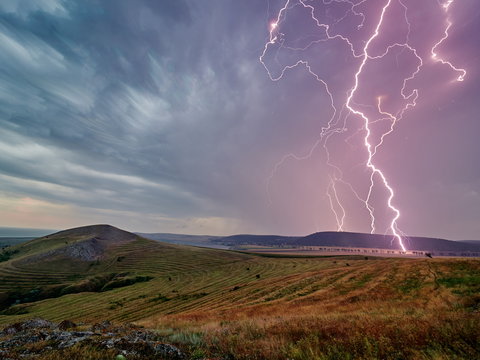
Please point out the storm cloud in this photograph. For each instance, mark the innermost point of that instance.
(159, 116)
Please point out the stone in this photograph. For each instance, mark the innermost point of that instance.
(169, 351)
(104, 326)
(66, 324)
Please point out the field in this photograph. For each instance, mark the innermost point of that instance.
(245, 306)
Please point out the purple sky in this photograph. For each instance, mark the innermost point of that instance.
(158, 116)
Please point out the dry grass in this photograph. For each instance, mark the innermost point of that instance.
(352, 336)
(426, 309)
(217, 303)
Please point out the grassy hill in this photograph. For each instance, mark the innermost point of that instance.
(246, 306)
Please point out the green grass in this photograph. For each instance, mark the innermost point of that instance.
(466, 281)
(183, 280)
(212, 301)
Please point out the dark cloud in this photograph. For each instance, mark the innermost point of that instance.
(162, 108)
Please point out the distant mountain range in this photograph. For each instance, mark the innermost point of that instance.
(10, 241)
(12, 232)
(10, 236)
(329, 239)
(475, 242)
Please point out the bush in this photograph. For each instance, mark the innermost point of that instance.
(121, 282)
(5, 255)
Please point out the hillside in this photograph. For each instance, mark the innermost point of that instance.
(224, 304)
(475, 242)
(262, 240)
(182, 239)
(88, 259)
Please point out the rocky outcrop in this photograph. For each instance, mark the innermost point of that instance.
(38, 336)
(33, 324)
(86, 250)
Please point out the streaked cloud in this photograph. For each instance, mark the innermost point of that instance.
(158, 116)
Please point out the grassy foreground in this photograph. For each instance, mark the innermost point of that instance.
(221, 304)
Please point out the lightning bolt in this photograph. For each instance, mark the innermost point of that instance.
(370, 165)
(337, 123)
(435, 57)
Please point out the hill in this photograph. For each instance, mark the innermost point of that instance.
(223, 304)
(91, 259)
(354, 240)
(85, 243)
(74, 247)
(383, 241)
(475, 242)
(261, 240)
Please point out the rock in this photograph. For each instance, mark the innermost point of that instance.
(37, 323)
(23, 339)
(168, 351)
(104, 326)
(110, 343)
(82, 333)
(26, 325)
(12, 329)
(72, 341)
(66, 324)
(126, 341)
(68, 339)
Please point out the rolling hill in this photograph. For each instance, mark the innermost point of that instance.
(242, 306)
(354, 240)
(92, 259)
(475, 242)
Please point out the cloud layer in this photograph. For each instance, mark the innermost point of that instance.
(158, 116)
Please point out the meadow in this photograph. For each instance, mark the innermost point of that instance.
(233, 305)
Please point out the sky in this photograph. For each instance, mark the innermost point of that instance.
(179, 116)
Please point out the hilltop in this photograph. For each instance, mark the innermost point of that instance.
(86, 243)
(93, 258)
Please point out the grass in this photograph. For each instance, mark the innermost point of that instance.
(211, 302)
